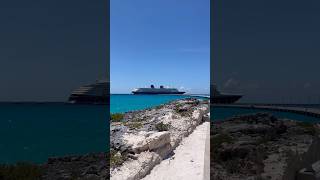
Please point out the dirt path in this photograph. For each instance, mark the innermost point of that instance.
(188, 162)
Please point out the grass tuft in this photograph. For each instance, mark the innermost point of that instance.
(309, 128)
(134, 125)
(117, 117)
(116, 159)
(162, 127)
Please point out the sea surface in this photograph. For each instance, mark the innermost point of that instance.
(219, 113)
(35, 131)
(120, 103)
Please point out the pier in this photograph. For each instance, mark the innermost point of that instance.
(313, 112)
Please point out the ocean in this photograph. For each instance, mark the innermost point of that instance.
(33, 132)
(219, 113)
(120, 103)
(125, 102)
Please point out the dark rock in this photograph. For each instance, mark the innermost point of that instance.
(254, 139)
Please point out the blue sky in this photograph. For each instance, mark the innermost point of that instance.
(160, 42)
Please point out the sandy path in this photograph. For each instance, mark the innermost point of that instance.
(188, 163)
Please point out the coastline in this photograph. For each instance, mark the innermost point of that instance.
(262, 146)
(175, 121)
(143, 139)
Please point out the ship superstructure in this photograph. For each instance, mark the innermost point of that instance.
(153, 90)
(96, 93)
(222, 98)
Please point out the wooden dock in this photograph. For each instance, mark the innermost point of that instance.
(313, 112)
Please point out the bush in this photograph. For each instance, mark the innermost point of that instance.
(134, 125)
(162, 127)
(25, 171)
(116, 159)
(309, 128)
(218, 140)
(183, 111)
(216, 143)
(117, 117)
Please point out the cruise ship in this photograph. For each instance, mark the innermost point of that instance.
(97, 93)
(222, 98)
(153, 90)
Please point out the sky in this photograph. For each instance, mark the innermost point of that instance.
(268, 50)
(49, 48)
(160, 42)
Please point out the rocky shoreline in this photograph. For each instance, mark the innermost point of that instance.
(93, 166)
(261, 146)
(144, 138)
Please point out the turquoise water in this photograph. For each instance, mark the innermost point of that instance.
(219, 113)
(125, 102)
(120, 103)
(34, 132)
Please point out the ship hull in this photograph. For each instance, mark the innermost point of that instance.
(87, 99)
(225, 99)
(155, 93)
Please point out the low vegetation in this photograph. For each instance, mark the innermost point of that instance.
(116, 159)
(141, 119)
(177, 108)
(182, 110)
(162, 127)
(216, 142)
(134, 125)
(309, 128)
(25, 171)
(117, 117)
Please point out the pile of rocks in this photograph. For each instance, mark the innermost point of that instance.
(144, 138)
(260, 146)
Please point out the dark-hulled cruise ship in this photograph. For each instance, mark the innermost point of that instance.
(97, 93)
(153, 90)
(222, 98)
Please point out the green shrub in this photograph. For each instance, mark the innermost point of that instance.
(216, 143)
(309, 128)
(218, 140)
(232, 166)
(183, 111)
(141, 119)
(116, 159)
(177, 108)
(162, 127)
(20, 171)
(134, 125)
(117, 117)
